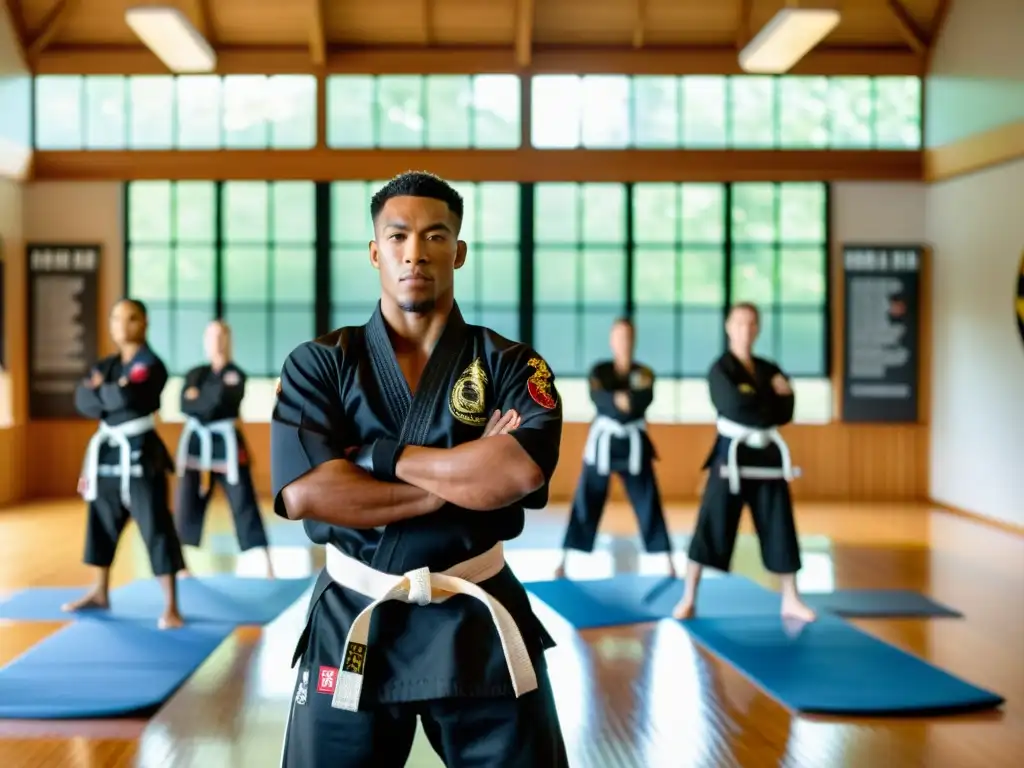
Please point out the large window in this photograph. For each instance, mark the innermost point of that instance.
(719, 112)
(242, 250)
(268, 269)
(435, 111)
(683, 254)
(75, 112)
(487, 286)
(551, 264)
(171, 249)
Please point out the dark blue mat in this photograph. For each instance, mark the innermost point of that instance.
(878, 603)
(221, 598)
(93, 669)
(633, 599)
(831, 667)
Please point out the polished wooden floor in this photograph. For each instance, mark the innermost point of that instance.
(641, 696)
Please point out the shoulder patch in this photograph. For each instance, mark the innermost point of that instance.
(138, 373)
(539, 384)
(467, 401)
(641, 378)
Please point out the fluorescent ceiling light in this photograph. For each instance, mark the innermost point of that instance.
(787, 38)
(169, 34)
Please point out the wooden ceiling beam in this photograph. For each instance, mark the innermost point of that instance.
(199, 15)
(51, 26)
(908, 27)
(524, 33)
(427, 11)
(317, 34)
(544, 59)
(18, 27)
(746, 11)
(938, 24)
(639, 23)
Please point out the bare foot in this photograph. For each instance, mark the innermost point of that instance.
(94, 601)
(185, 573)
(171, 620)
(684, 610)
(560, 572)
(795, 608)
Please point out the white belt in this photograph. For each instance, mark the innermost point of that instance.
(754, 438)
(116, 436)
(226, 429)
(599, 443)
(422, 587)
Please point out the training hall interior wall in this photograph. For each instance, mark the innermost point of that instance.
(975, 223)
(840, 461)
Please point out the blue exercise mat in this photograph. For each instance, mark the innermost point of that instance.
(831, 667)
(94, 669)
(878, 603)
(634, 599)
(279, 535)
(220, 598)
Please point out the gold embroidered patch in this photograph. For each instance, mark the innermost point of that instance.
(466, 402)
(539, 384)
(746, 389)
(355, 658)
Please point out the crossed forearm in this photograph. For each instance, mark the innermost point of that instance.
(490, 473)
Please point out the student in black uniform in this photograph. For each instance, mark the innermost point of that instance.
(749, 464)
(411, 445)
(622, 390)
(126, 464)
(211, 442)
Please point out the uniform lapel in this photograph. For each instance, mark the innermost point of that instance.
(413, 413)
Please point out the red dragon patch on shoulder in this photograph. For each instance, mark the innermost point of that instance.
(539, 384)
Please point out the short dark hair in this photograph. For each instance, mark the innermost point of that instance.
(135, 303)
(625, 320)
(417, 184)
(747, 305)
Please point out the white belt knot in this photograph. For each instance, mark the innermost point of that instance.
(116, 435)
(754, 437)
(205, 432)
(597, 451)
(422, 587)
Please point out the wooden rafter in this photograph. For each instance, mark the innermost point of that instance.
(200, 17)
(51, 26)
(524, 32)
(317, 34)
(938, 24)
(743, 28)
(427, 11)
(18, 26)
(908, 27)
(639, 22)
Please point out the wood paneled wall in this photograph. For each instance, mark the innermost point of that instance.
(13, 464)
(839, 461)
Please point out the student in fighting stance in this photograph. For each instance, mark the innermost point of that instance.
(622, 390)
(748, 465)
(126, 463)
(211, 442)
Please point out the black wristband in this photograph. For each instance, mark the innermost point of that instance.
(385, 458)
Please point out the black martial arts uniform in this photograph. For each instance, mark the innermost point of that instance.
(441, 661)
(618, 442)
(126, 464)
(755, 473)
(210, 442)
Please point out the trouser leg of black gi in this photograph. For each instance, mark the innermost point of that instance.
(505, 731)
(643, 493)
(107, 518)
(190, 508)
(718, 521)
(245, 509)
(587, 508)
(771, 506)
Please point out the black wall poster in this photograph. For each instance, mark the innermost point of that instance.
(62, 325)
(881, 333)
